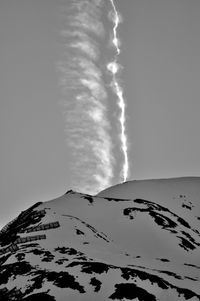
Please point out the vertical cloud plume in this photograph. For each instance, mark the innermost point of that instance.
(86, 124)
(114, 67)
(84, 105)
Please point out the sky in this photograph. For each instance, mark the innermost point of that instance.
(160, 56)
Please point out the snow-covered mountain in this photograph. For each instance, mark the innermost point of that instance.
(139, 240)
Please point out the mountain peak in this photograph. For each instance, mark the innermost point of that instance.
(139, 239)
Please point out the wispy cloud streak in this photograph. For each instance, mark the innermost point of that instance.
(113, 67)
(87, 126)
(86, 123)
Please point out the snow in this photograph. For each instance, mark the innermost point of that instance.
(143, 235)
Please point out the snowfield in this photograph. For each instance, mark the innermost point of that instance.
(139, 240)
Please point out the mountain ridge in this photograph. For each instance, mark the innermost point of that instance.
(122, 244)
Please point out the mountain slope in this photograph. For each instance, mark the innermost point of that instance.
(135, 241)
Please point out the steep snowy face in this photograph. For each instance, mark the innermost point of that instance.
(83, 247)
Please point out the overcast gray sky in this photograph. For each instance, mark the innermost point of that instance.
(161, 60)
